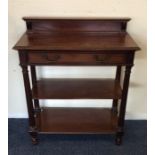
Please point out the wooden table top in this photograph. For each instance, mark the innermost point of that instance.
(76, 41)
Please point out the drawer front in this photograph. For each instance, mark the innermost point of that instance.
(76, 59)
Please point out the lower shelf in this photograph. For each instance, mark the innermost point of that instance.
(76, 121)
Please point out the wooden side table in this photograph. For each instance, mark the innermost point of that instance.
(76, 42)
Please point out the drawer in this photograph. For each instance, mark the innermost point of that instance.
(73, 59)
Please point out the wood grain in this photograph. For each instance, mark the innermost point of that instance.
(80, 42)
(76, 41)
(76, 120)
(77, 89)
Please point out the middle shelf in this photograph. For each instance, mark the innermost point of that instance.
(76, 89)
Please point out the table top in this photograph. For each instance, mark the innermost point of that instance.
(76, 41)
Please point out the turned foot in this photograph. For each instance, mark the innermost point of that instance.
(34, 140)
(119, 135)
(33, 133)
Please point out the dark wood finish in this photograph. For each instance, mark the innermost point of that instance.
(123, 105)
(49, 25)
(33, 75)
(90, 34)
(28, 96)
(118, 73)
(34, 82)
(117, 78)
(27, 88)
(54, 58)
(32, 125)
(79, 42)
(77, 120)
(76, 41)
(77, 89)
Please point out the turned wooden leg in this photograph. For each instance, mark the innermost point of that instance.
(32, 127)
(115, 101)
(119, 135)
(34, 135)
(121, 117)
(34, 81)
(115, 106)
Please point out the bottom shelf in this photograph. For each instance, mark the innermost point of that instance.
(76, 121)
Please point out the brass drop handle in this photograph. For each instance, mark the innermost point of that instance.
(54, 58)
(101, 58)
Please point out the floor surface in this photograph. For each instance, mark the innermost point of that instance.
(134, 141)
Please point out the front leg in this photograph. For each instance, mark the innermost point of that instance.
(32, 131)
(34, 135)
(122, 110)
(115, 101)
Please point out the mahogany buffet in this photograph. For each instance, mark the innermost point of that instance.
(76, 42)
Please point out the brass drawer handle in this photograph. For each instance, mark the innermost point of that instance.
(101, 58)
(54, 58)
